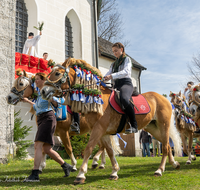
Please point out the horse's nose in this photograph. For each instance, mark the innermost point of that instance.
(9, 99)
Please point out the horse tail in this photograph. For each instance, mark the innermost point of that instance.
(174, 134)
(115, 145)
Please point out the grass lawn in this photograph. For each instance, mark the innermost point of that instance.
(135, 173)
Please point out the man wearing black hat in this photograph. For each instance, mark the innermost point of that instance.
(31, 42)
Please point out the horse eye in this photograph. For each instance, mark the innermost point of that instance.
(57, 73)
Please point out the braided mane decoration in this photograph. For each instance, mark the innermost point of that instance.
(86, 95)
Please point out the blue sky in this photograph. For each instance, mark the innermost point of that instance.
(164, 36)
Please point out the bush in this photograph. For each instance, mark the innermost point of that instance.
(78, 146)
(20, 133)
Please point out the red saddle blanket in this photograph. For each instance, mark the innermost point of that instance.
(140, 102)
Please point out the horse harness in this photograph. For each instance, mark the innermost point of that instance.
(20, 93)
(57, 84)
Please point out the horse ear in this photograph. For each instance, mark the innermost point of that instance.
(25, 74)
(179, 93)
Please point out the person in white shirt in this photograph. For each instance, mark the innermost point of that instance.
(187, 90)
(120, 74)
(31, 42)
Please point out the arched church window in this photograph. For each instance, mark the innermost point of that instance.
(68, 39)
(21, 25)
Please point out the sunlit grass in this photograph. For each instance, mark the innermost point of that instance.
(135, 173)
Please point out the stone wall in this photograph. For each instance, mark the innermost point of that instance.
(7, 67)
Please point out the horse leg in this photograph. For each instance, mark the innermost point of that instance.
(160, 131)
(64, 135)
(190, 149)
(184, 141)
(95, 136)
(43, 162)
(106, 141)
(96, 157)
(185, 149)
(103, 160)
(174, 163)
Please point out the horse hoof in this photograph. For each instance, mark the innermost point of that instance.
(178, 166)
(194, 158)
(79, 181)
(157, 174)
(101, 167)
(188, 163)
(115, 178)
(94, 166)
(74, 170)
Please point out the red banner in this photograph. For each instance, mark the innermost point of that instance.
(31, 64)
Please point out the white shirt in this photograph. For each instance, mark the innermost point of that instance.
(124, 70)
(187, 93)
(29, 46)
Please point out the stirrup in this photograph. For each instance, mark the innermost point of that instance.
(75, 127)
(131, 129)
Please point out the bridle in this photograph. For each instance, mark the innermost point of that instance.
(57, 84)
(18, 92)
(177, 105)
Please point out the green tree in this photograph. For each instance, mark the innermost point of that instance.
(165, 95)
(20, 133)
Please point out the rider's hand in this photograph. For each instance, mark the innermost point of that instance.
(108, 77)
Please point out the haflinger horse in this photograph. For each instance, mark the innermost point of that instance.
(159, 121)
(22, 88)
(184, 123)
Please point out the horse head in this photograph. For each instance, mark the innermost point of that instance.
(61, 77)
(177, 99)
(21, 88)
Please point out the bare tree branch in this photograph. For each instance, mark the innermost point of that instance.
(194, 68)
(110, 24)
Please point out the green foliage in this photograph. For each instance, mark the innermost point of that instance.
(165, 95)
(78, 146)
(40, 27)
(20, 133)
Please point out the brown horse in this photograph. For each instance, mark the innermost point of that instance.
(185, 129)
(22, 88)
(159, 121)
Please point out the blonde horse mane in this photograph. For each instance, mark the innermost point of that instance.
(72, 61)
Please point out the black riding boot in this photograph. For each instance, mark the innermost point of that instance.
(34, 177)
(67, 169)
(75, 125)
(129, 111)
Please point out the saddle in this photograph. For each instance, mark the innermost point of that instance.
(139, 101)
(117, 97)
